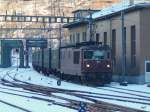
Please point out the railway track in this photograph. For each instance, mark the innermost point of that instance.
(10, 89)
(127, 93)
(146, 98)
(48, 91)
(73, 104)
(93, 93)
(130, 90)
(44, 99)
(41, 99)
(15, 106)
(102, 96)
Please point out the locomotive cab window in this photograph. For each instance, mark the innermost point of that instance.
(94, 55)
(88, 54)
(76, 57)
(98, 55)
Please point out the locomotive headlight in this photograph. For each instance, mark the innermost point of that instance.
(87, 65)
(108, 66)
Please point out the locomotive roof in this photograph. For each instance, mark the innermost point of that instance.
(104, 47)
(87, 45)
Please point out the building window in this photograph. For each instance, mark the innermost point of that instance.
(97, 37)
(77, 37)
(84, 36)
(70, 38)
(61, 55)
(125, 52)
(114, 45)
(64, 54)
(78, 14)
(105, 38)
(69, 54)
(73, 38)
(133, 46)
(76, 57)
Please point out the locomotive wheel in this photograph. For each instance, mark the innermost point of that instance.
(84, 80)
(108, 78)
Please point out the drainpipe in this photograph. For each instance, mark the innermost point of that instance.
(90, 22)
(123, 46)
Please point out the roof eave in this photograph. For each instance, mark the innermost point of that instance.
(74, 24)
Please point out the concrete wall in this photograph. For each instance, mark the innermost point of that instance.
(145, 38)
(80, 30)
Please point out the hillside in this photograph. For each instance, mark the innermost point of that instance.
(44, 7)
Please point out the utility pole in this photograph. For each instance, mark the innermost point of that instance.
(60, 34)
(124, 83)
(123, 46)
(60, 38)
(27, 56)
(90, 21)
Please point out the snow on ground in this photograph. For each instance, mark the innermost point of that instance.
(29, 103)
(31, 76)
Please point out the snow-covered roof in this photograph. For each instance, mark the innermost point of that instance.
(119, 7)
(94, 10)
(112, 11)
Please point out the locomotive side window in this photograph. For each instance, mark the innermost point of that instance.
(76, 57)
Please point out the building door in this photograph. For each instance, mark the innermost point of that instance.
(147, 71)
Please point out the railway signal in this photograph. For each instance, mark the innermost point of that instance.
(59, 82)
